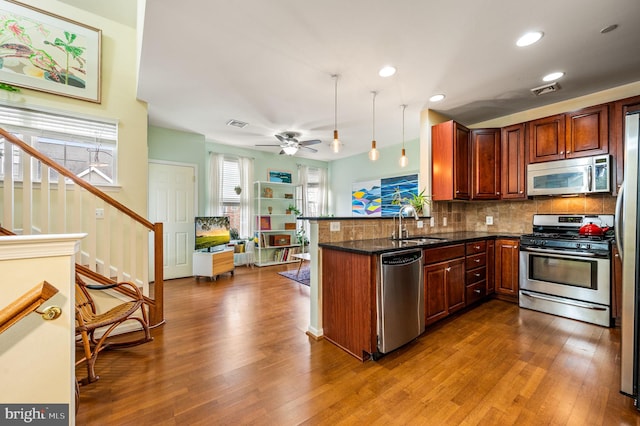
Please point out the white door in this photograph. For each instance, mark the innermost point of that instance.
(172, 202)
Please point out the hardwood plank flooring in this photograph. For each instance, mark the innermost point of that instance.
(234, 351)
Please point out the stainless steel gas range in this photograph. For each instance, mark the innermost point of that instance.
(566, 272)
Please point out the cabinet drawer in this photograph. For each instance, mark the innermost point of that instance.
(476, 247)
(443, 253)
(476, 292)
(476, 261)
(475, 275)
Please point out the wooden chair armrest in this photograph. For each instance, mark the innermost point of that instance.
(124, 284)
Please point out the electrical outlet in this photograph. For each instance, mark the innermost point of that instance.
(444, 221)
(420, 224)
(334, 226)
(489, 220)
(99, 213)
(432, 222)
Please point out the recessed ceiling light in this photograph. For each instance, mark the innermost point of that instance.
(529, 38)
(552, 76)
(387, 71)
(436, 98)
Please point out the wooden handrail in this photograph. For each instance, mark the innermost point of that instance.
(80, 182)
(156, 314)
(25, 304)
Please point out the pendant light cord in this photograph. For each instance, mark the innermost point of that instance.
(374, 116)
(335, 109)
(403, 108)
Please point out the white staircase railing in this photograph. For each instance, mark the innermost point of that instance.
(119, 241)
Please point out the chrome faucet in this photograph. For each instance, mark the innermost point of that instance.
(402, 230)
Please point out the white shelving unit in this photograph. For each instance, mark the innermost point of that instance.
(274, 227)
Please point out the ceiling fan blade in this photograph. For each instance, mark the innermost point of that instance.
(310, 142)
(271, 144)
(280, 138)
(308, 149)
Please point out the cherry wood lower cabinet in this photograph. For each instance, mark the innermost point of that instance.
(444, 281)
(507, 252)
(476, 271)
(348, 301)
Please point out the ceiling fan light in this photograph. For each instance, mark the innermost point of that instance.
(374, 154)
(290, 150)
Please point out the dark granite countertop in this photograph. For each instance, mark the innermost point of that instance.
(383, 245)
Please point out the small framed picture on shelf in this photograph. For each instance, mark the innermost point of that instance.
(264, 223)
(279, 176)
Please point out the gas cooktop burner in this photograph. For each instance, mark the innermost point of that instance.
(571, 236)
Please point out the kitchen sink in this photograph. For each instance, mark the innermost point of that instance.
(421, 240)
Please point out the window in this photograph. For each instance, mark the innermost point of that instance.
(86, 147)
(230, 201)
(313, 192)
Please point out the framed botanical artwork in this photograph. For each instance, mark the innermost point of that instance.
(49, 53)
(278, 176)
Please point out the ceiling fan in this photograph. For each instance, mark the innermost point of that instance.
(290, 144)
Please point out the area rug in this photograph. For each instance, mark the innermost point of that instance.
(302, 277)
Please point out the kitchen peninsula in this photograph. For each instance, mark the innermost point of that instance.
(343, 275)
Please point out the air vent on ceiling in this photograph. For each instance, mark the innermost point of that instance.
(237, 123)
(547, 88)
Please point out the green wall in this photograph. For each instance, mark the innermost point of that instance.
(357, 168)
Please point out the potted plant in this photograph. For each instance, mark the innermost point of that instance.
(418, 201)
(293, 209)
(238, 189)
(301, 237)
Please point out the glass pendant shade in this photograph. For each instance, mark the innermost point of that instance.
(404, 160)
(335, 144)
(374, 154)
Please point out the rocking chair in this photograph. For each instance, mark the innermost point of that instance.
(88, 320)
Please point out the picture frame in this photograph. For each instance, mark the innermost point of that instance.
(264, 223)
(279, 176)
(50, 53)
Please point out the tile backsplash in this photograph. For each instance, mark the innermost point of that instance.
(508, 217)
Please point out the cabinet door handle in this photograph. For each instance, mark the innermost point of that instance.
(477, 247)
(448, 269)
(476, 274)
(561, 152)
(521, 192)
(476, 260)
(477, 290)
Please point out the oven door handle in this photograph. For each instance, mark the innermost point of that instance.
(567, 253)
(564, 301)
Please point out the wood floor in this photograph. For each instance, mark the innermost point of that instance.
(234, 351)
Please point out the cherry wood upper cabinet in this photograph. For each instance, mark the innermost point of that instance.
(587, 132)
(546, 139)
(619, 110)
(513, 163)
(485, 164)
(451, 162)
(581, 133)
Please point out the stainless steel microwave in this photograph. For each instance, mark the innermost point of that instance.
(574, 176)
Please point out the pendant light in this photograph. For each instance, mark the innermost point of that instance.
(336, 144)
(404, 161)
(374, 154)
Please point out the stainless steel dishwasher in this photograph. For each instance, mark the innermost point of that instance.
(400, 299)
